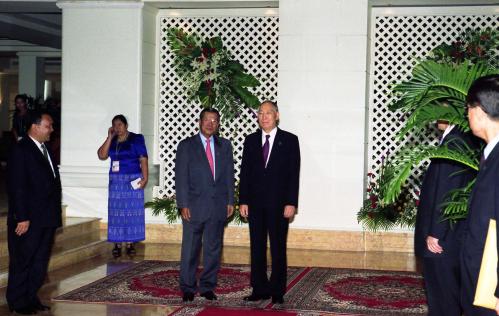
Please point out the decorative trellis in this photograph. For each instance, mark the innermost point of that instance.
(397, 40)
(253, 41)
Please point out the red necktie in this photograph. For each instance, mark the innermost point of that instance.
(210, 157)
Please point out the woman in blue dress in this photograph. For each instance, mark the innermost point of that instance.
(127, 178)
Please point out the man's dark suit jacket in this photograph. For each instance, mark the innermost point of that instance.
(483, 206)
(274, 186)
(194, 184)
(34, 193)
(442, 176)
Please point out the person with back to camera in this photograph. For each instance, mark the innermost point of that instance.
(128, 177)
(483, 115)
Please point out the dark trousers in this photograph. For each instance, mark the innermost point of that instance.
(29, 256)
(442, 284)
(208, 235)
(470, 269)
(269, 222)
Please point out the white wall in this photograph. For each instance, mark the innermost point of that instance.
(109, 67)
(321, 97)
(101, 77)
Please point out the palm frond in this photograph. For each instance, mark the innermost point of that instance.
(450, 81)
(456, 202)
(164, 206)
(425, 115)
(399, 168)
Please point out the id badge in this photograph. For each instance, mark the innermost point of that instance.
(115, 166)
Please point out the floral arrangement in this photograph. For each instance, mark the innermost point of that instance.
(211, 75)
(474, 45)
(377, 215)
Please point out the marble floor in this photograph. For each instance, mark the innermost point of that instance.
(67, 279)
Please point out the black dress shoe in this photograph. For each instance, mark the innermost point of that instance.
(24, 310)
(188, 297)
(209, 295)
(41, 307)
(256, 297)
(277, 299)
(130, 249)
(116, 250)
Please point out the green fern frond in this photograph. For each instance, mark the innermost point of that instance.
(426, 115)
(399, 168)
(456, 203)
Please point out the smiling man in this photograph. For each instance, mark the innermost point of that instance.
(268, 197)
(204, 185)
(34, 191)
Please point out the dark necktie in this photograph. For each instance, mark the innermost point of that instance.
(45, 153)
(266, 149)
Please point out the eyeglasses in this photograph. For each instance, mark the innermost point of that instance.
(207, 120)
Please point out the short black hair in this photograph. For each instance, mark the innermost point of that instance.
(23, 97)
(35, 117)
(209, 110)
(484, 92)
(120, 117)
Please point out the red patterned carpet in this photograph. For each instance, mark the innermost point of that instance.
(311, 291)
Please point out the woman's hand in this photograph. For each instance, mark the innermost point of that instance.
(142, 183)
(110, 132)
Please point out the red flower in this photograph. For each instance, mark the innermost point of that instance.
(417, 192)
(370, 174)
(369, 189)
(417, 202)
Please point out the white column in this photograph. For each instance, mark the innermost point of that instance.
(31, 74)
(101, 77)
(322, 84)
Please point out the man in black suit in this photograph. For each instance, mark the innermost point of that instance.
(204, 183)
(34, 192)
(268, 197)
(435, 241)
(483, 115)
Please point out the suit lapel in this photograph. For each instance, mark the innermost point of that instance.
(202, 153)
(218, 157)
(491, 159)
(276, 148)
(39, 156)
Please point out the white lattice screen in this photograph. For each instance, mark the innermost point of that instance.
(252, 40)
(396, 38)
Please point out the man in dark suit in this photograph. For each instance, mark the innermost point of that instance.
(34, 192)
(204, 184)
(268, 197)
(483, 115)
(436, 242)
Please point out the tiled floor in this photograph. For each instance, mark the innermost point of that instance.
(66, 279)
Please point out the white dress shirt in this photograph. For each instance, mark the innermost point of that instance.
(490, 146)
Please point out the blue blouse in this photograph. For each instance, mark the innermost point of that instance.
(128, 153)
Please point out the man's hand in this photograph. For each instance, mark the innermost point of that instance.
(185, 213)
(230, 210)
(243, 210)
(289, 211)
(22, 227)
(432, 244)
